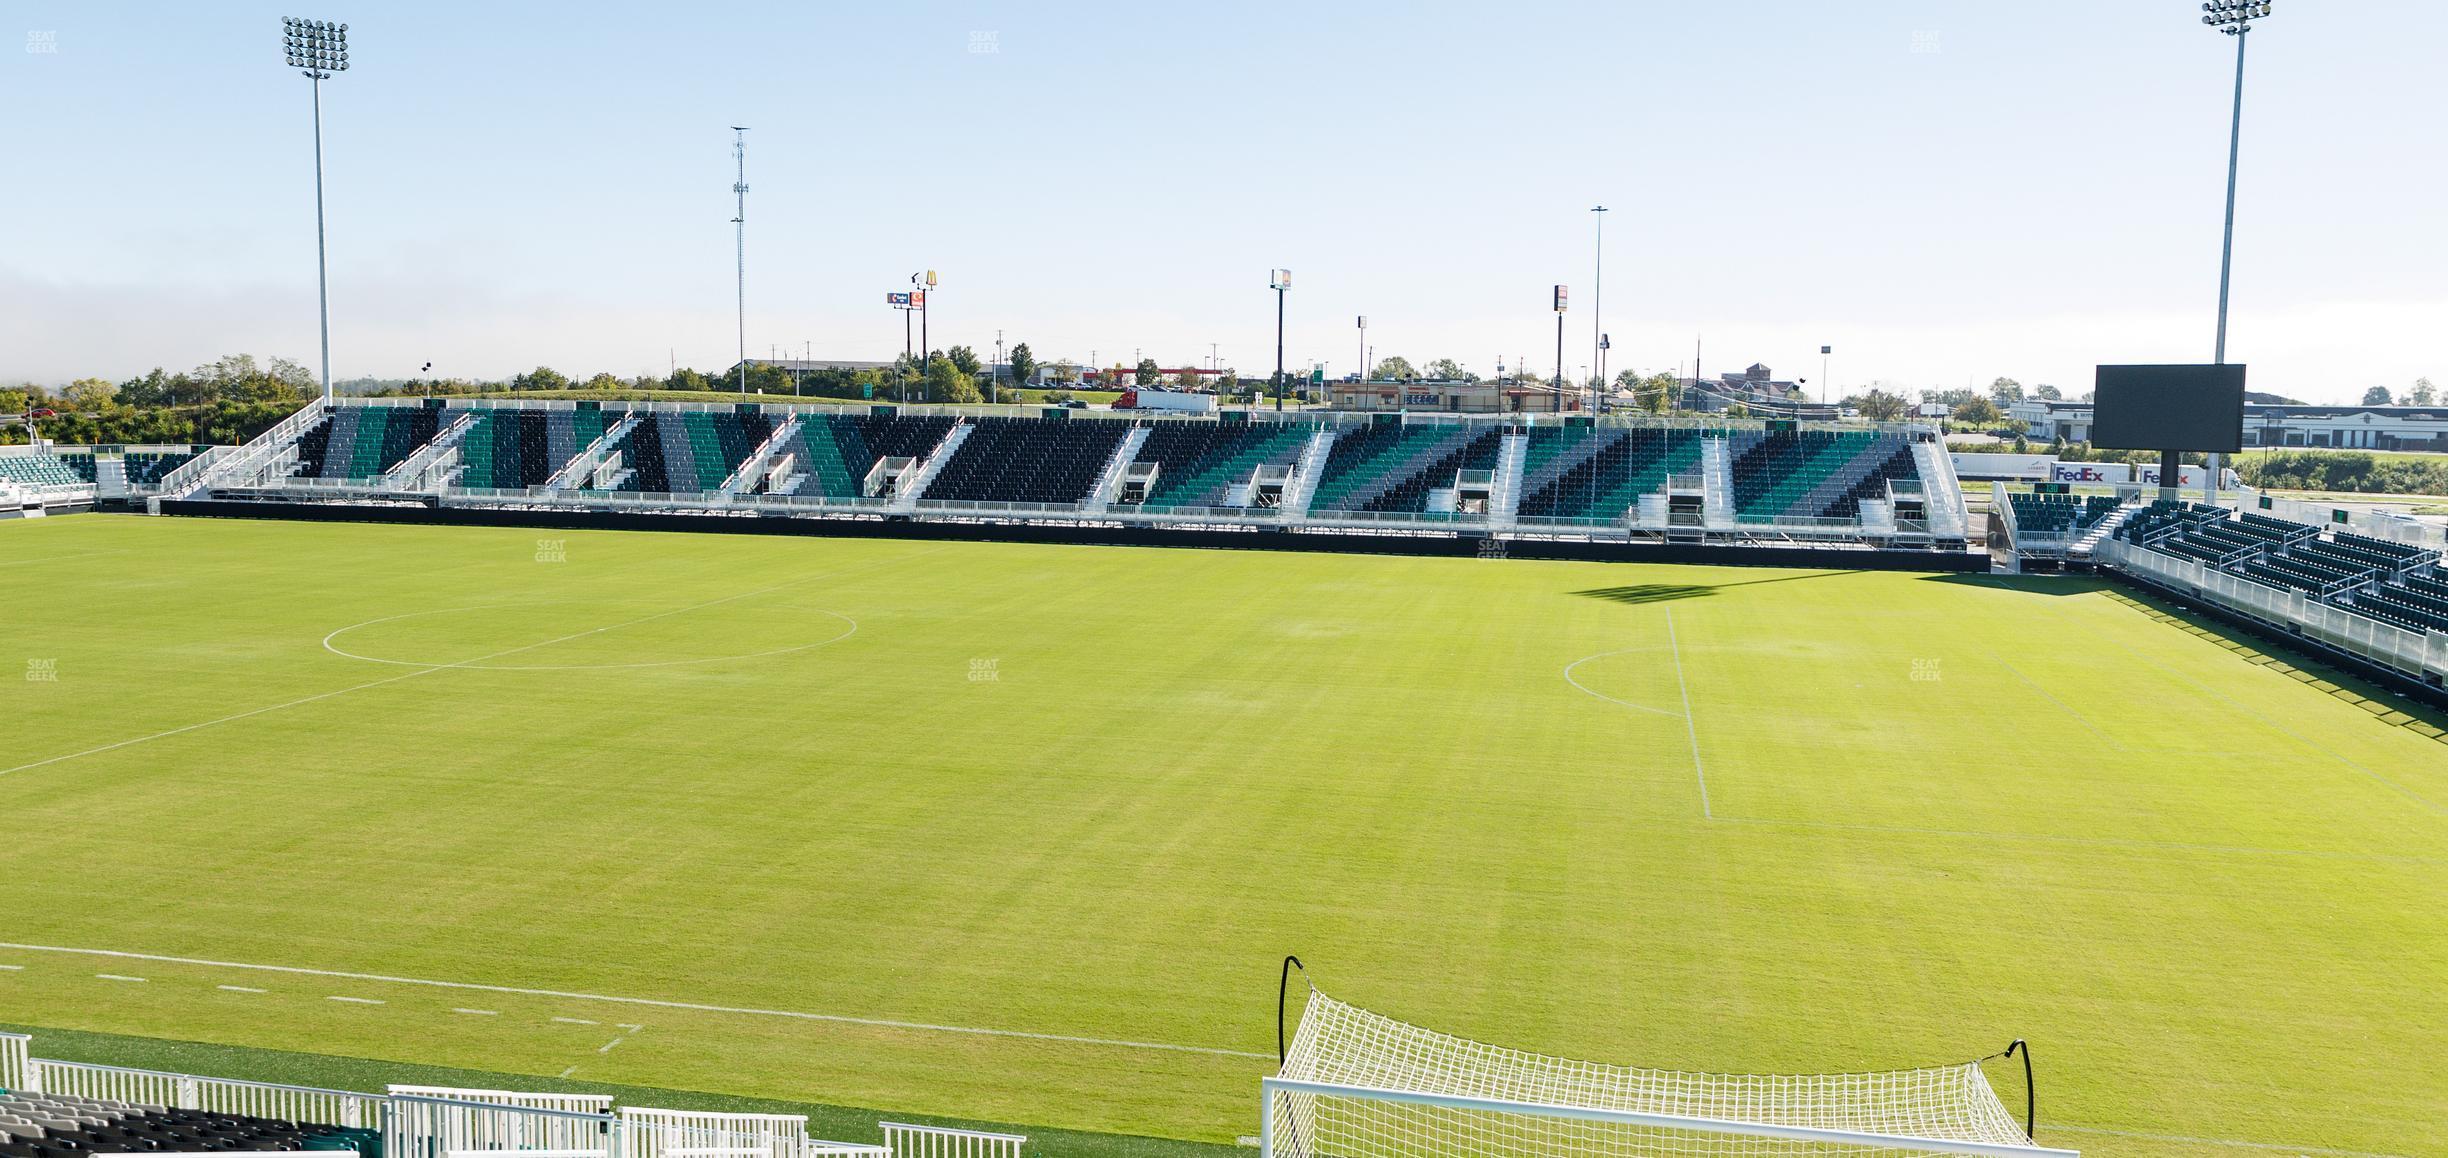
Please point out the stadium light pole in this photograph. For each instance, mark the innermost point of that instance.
(1279, 280)
(2233, 17)
(739, 224)
(1598, 302)
(319, 49)
(1364, 350)
(1557, 392)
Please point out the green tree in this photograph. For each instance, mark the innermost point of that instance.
(1147, 373)
(2005, 390)
(1446, 369)
(1881, 406)
(2423, 393)
(1228, 383)
(2377, 396)
(1023, 364)
(688, 379)
(1978, 412)
(1393, 368)
(90, 394)
(1655, 393)
(2048, 393)
(946, 382)
(1188, 380)
(540, 378)
(966, 359)
(603, 382)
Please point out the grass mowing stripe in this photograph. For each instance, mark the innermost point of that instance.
(326, 1071)
(699, 1007)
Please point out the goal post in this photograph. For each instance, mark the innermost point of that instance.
(1356, 1084)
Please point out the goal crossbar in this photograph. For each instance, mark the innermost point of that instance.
(1272, 1088)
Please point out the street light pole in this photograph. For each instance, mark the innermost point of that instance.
(739, 224)
(1598, 304)
(1280, 281)
(318, 49)
(1364, 351)
(1557, 387)
(2233, 17)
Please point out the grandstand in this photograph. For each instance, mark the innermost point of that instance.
(1629, 481)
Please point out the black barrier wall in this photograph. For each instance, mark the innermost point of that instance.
(1258, 540)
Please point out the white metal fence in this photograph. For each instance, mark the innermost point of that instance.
(421, 1126)
(653, 1133)
(908, 1141)
(189, 1092)
(12, 1061)
(2417, 654)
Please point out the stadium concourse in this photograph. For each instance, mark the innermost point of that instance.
(1884, 489)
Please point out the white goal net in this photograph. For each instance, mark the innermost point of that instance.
(1356, 1084)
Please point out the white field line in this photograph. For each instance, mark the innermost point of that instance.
(12, 968)
(56, 558)
(1568, 678)
(479, 1012)
(1690, 729)
(359, 1000)
(233, 718)
(115, 977)
(240, 988)
(576, 1021)
(697, 1007)
(2280, 1146)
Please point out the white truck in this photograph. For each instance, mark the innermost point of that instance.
(1172, 401)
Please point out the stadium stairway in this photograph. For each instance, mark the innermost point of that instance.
(1205, 463)
(843, 449)
(1608, 471)
(1391, 467)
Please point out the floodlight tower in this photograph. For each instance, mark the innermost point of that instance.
(739, 225)
(2233, 17)
(318, 49)
(1598, 304)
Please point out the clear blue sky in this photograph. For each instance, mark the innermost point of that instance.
(1944, 191)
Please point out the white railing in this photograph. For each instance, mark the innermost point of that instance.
(2418, 654)
(907, 1141)
(915, 482)
(411, 470)
(652, 1133)
(217, 1095)
(751, 469)
(1296, 1100)
(259, 451)
(12, 1061)
(420, 1124)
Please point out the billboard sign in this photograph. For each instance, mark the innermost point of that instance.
(897, 301)
(2169, 407)
(1560, 294)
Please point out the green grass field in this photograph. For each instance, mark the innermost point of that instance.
(830, 805)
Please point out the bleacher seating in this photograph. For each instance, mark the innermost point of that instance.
(1201, 461)
(1581, 473)
(360, 443)
(836, 451)
(1391, 467)
(1027, 460)
(2059, 514)
(510, 449)
(1814, 473)
(67, 1126)
(42, 470)
(148, 468)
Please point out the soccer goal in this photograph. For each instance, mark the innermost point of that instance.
(1356, 1084)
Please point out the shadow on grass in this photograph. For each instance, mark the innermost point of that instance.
(1640, 593)
(2029, 584)
(2393, 708)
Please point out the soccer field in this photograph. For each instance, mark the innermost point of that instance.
(1022, 833)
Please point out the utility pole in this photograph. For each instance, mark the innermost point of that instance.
(739, 222)
(1281, 282)
(1598, 306)
(1561, 293)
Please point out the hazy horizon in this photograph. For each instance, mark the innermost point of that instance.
(1946, 192)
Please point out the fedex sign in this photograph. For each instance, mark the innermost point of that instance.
(2103, 473)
